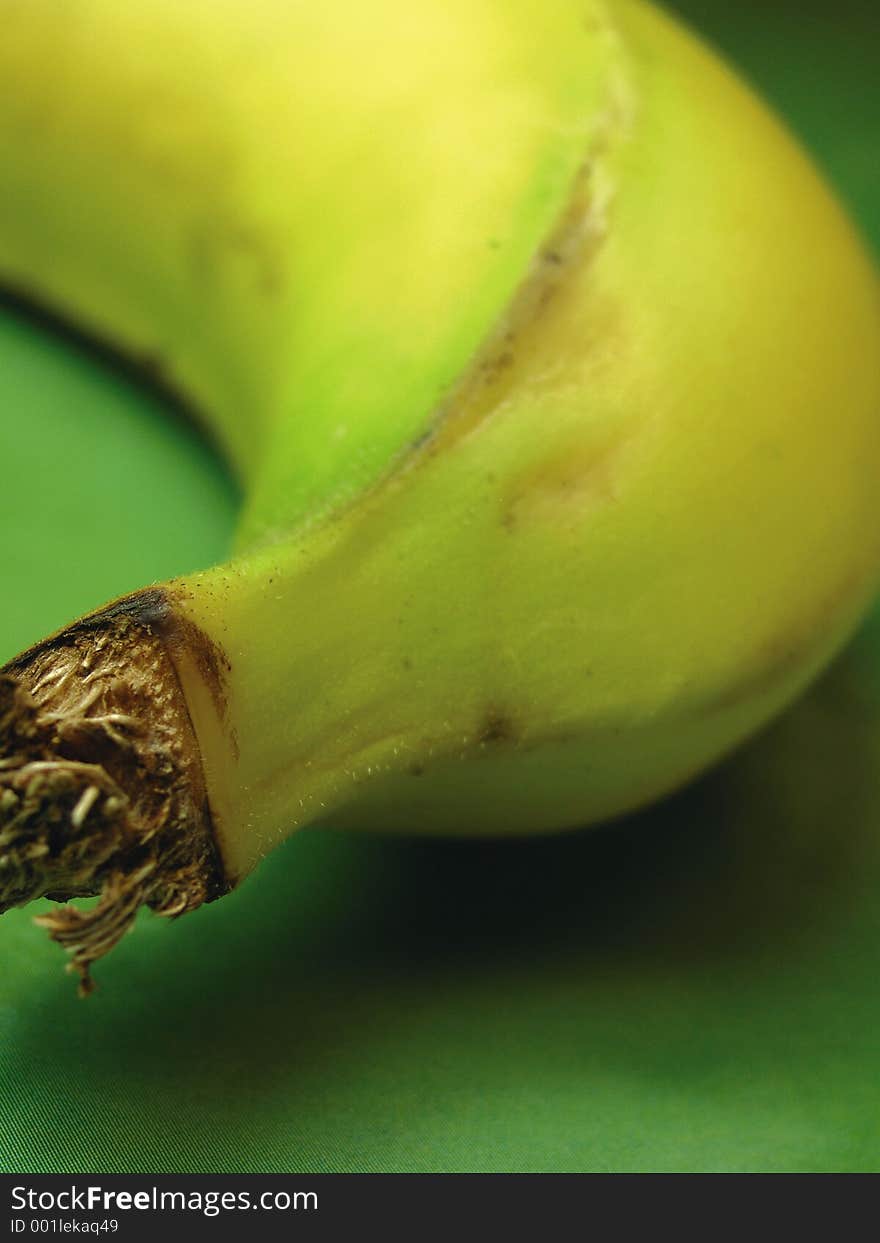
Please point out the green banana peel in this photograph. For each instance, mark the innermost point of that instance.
(550, 370)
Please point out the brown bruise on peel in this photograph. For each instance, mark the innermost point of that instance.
(494, 372)
(562, 488)
(101, 784)
(501, 363)
(498, 728)
(218, 243)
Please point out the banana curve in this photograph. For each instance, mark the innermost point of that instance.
(120, 864)
(541, 605)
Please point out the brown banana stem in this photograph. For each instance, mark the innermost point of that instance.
(101, 787)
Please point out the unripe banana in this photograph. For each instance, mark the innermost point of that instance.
(550, 368)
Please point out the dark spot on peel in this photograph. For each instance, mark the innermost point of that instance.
(497, 729)
(216, 243)
(503, 361)
(419, 442)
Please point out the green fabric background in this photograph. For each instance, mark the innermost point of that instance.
(693, 990)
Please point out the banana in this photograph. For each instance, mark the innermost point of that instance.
(549, 367)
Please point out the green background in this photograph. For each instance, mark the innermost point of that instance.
(695, 989)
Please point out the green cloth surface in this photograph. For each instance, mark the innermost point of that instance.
(694, 989)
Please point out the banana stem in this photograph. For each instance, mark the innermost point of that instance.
(101, 790)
